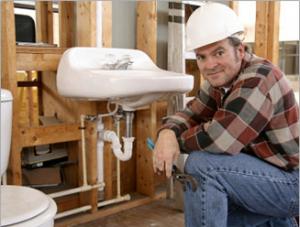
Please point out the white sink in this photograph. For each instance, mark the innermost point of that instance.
(124, 76)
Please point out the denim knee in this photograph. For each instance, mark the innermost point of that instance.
(197, 163)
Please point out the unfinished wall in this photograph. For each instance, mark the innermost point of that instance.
(124, 24)
(124, 28)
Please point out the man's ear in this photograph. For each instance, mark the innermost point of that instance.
(241, 50)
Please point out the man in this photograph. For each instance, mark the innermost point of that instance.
(240, 131)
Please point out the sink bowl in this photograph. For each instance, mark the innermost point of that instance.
(123, 76)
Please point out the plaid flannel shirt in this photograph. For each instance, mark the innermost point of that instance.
(257, 115)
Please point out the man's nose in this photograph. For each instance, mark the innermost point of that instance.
(210, 63)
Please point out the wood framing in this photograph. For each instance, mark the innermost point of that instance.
(30, 97)
(86, 23)
(106, 23)
(9, 81)
(92, 173)
(273, 32)
(146, 121)
(192, 69)
(146, 27)
(44, 21)
(66, 23)
(267, 30)
(34, 136)
(38, 58)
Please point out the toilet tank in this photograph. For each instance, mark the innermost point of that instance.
(6, 127)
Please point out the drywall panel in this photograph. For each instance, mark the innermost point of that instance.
(124, 24)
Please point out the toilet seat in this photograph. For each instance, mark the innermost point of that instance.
(20, 205)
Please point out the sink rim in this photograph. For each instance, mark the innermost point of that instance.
(82, 78)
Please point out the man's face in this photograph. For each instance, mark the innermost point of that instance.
(220, 62)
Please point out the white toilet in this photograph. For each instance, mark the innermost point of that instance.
(20, 206)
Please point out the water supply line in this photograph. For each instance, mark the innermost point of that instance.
(100, 185)
(83, 153)
(113, 138)
(85, 186)
(100, 142)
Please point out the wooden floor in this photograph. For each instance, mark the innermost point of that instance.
(160, 213)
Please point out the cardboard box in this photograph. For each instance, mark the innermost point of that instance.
(42, 177)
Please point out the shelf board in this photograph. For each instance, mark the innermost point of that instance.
(34, 136)
(38, 57)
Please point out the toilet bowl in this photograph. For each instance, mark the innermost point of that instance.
(20, 206)
(26, 207)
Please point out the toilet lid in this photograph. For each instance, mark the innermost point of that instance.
(21, 203)
(6, 95)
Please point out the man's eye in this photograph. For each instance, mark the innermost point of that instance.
(219, 53)
(200, 58)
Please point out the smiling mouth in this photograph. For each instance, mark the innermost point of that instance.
(213, 73)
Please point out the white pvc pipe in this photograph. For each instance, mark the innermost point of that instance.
(100, 143)
(118, 178)
(101, 184)
(116, 200)
(89, 207)
(128, 142)
(111, 136)
(76, 190)
(100, 162)
(100, 151)
(73, 211)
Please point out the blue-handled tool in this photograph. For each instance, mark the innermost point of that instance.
(150, 144)
(176, 173)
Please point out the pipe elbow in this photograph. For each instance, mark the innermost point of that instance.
(112, 137)
(127, 154)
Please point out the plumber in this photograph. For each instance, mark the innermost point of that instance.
(240, 131)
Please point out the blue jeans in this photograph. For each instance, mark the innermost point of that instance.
(239, 191)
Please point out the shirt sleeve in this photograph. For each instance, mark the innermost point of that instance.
(199, 110)
(245, 113)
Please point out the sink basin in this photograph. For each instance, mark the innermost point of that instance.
(124, 76)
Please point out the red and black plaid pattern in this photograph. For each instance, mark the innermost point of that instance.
(258, 115)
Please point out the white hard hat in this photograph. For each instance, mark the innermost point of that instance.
(210, 23)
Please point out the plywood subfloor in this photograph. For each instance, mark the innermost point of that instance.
(160, 213)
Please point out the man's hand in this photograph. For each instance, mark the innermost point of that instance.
(165, 152)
